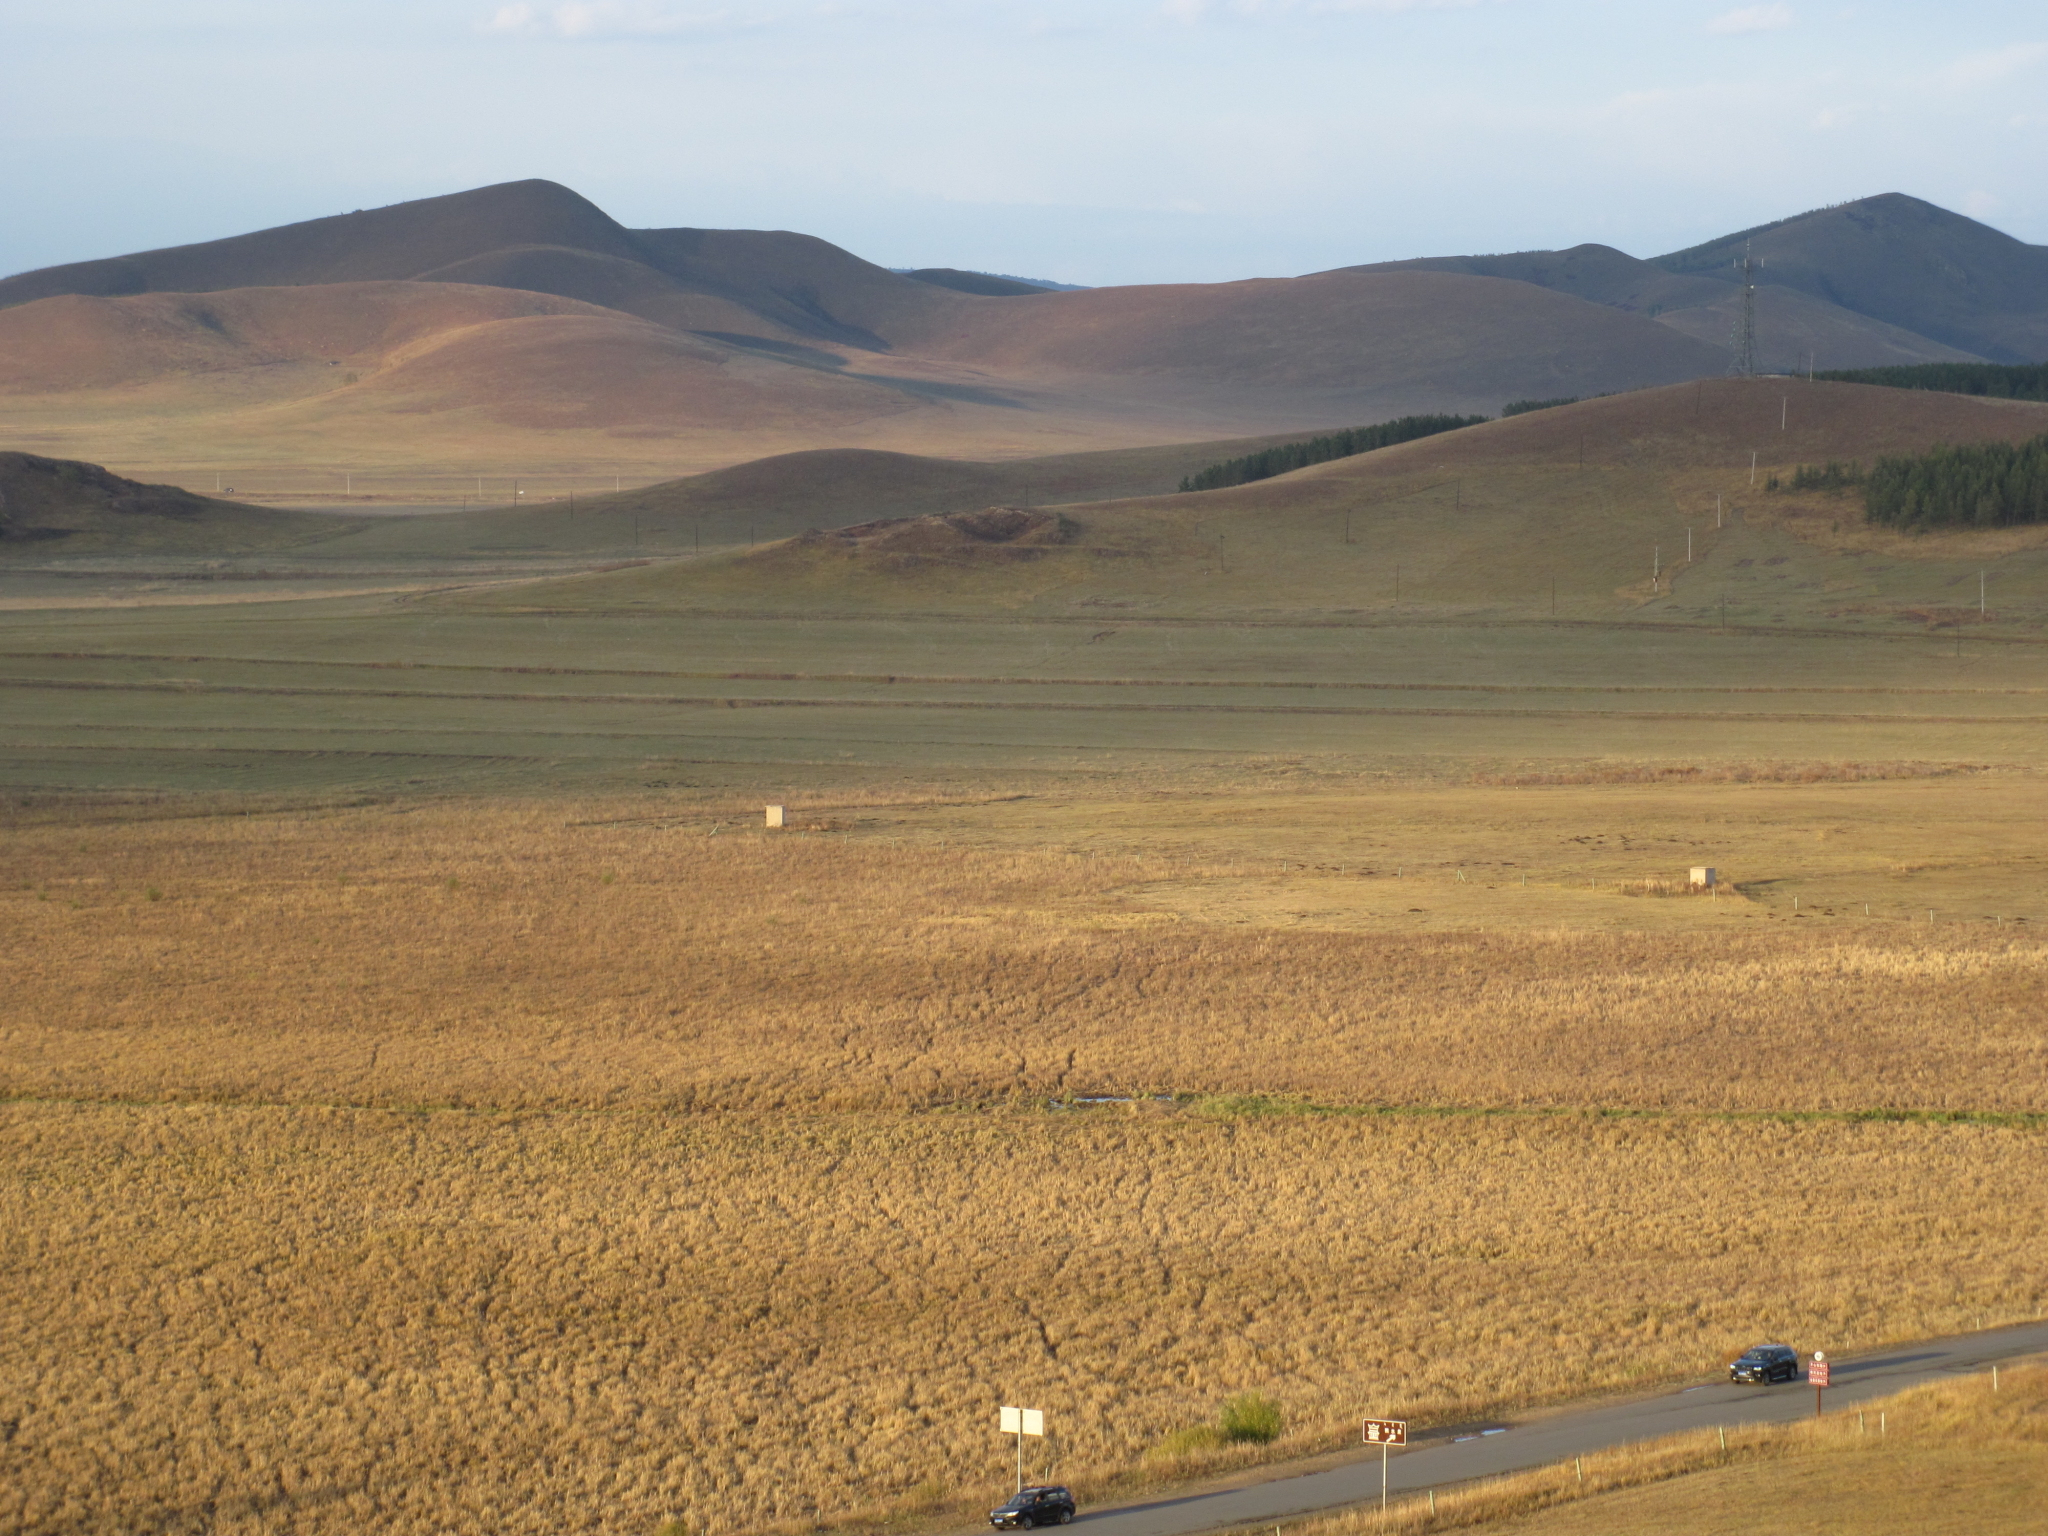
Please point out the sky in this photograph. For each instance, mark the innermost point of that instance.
(1087, 141)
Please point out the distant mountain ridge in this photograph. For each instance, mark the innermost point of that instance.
(533, 235)
(1886, 279)
(463, 325)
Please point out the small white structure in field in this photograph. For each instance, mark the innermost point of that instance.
(774, 815)
(1704, 878)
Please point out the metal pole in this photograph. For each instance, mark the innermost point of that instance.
(1383, 1479)
(1020, 1456)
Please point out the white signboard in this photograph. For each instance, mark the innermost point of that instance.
(1024, 1421)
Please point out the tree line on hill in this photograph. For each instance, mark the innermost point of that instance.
(1977, 485)
(1269, 462)
(2002, 381)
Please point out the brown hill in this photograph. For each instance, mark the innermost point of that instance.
(445, 375)
(402, 241)
(406, 350)
(74, 343)
(1905, 262)
(1599, 273)
(1469, 341)
(539, 236)
(1795, 331)
(475, 321)
(1886, 280)
(46, 500)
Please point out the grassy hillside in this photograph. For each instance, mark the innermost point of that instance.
(1494, 522)
(56, 507)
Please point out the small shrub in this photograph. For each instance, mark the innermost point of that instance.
(673, 1528)
(151, 893)
(1250, 1416)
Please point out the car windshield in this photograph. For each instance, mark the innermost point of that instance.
(1021, 1500)
(1758, 1354)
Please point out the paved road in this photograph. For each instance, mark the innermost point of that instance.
(1508, 1446)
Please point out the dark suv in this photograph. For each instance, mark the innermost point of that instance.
(1765, 1364)
(1034, 1506)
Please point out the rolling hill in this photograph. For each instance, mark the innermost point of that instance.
(1569, 510)
(430, 377)
(1888, 279)
(1904, 262)
(519, 330)
(62, 505)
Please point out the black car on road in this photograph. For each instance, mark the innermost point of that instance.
(1765, 1364)
(1032, 1507)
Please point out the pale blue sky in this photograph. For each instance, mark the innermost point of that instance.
(1112, 141)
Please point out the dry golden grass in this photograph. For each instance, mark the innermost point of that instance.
(555, 954)
(1952, 1459)
(769, 1185)
(237, 1318)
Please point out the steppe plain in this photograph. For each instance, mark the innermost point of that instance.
(1238, 942)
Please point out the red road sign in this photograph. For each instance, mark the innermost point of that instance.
(1817, 1373)
(1386, 1431)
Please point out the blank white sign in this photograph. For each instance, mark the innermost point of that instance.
(1023, 1421)
(1034, 1421)
(1013, 1421)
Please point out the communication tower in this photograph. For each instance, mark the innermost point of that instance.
(1744, 363)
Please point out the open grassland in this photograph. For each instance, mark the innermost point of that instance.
(556, 954)
(377, 694)
(243, 1318)
(571, 1152)
(1952, 1459)
(561, 1164)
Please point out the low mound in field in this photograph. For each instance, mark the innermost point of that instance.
(42, 500)
(993, 529)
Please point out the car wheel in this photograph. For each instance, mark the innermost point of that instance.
(1026, 1523)
(1066, 1517)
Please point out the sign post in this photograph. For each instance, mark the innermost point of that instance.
(1021, 1422)
(1817, 1373)
(1384, 1433)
